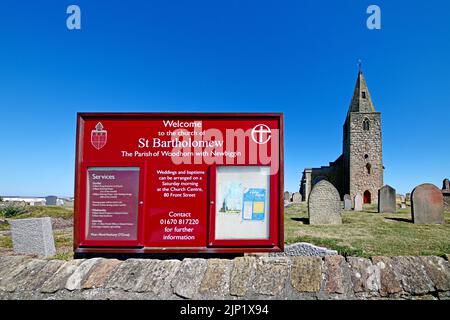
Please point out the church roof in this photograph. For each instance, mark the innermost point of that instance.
(361, 101)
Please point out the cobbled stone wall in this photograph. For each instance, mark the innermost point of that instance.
(248, 277)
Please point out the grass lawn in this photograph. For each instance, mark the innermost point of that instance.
(47, 211)
(369, 233)
(362, 234)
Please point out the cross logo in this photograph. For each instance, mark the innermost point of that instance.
(99, 136)
(261, 134)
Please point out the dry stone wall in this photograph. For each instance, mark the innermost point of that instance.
(248, 277)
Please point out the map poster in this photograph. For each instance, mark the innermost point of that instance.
(254, 204)
(112, 203)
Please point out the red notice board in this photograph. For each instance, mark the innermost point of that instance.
(179, 182)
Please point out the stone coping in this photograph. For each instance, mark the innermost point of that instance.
(248, 277)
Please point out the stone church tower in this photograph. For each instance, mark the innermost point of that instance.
(360, 167)
(362, 147)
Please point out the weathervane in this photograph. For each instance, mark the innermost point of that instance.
(359, 65)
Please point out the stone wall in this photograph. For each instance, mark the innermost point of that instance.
(249, 277)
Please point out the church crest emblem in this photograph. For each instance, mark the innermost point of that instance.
(99, 136)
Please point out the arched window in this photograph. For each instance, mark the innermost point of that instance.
(369, 168)
(366, 124)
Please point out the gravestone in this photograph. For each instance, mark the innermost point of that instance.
(402, 202)
(446, 194)
(358, 202)
(296, 197)
(324, 204)
(387, 199)
(446, 184)
(51, 200)
(427, 205)
(347, 202)
(287, 196)
(33, 236)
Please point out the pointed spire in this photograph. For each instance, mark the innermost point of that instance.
(361, 101)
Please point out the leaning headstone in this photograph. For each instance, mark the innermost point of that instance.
(296, 197)
(402, 205)
(33, 236)
(358, 202)
(347, 202)
(387, 199)
(287, 196)
(427, 204)
(324, 204)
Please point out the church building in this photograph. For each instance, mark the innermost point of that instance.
(360, 167)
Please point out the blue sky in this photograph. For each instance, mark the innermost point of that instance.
(296, 57)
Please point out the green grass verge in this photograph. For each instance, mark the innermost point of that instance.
(47, 211)
(6, 242)
(42, 211)
(362, 234)
(63, 244)
(369, 233)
